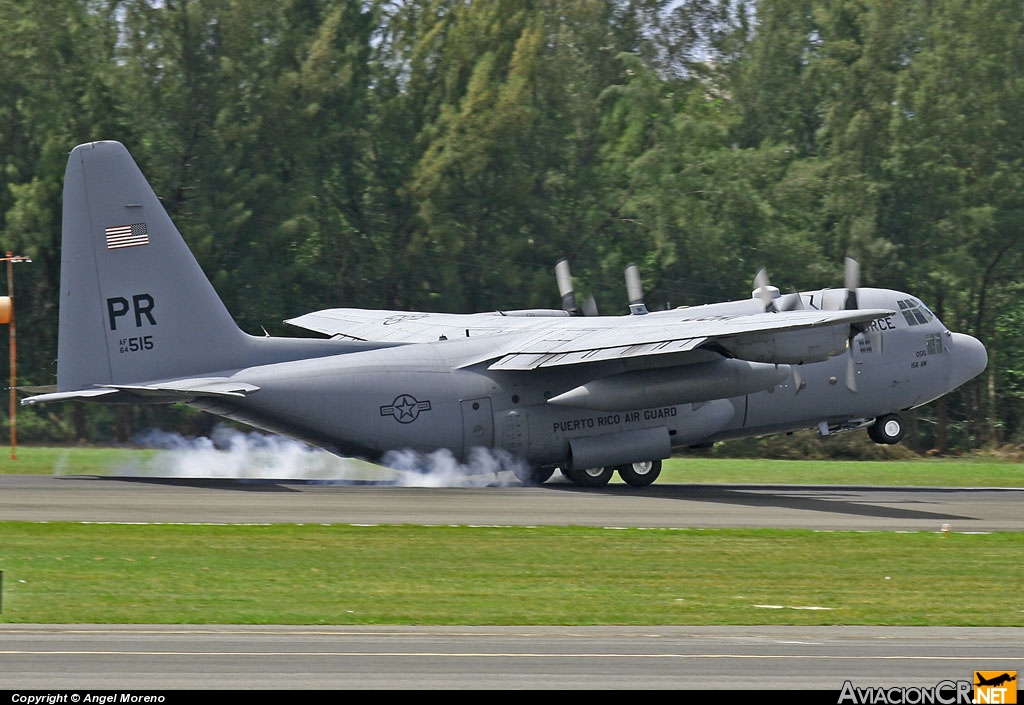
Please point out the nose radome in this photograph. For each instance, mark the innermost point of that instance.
(969, 359)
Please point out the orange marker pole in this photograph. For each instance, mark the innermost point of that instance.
(14, 358)
(10, 259)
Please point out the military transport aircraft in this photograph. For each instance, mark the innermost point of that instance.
(591, 395)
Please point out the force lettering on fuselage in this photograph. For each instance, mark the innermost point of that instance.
(880, 324)
(605, 420)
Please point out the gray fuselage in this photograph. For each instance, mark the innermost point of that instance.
(424, 397)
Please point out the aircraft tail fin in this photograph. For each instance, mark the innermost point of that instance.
(134, 304)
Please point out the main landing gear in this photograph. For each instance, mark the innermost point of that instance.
(633, 474)
(640, 474)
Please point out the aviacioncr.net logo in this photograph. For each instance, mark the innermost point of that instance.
(942, 693)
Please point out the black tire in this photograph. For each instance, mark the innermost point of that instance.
(533, 476)
(591, 477)
(888, 429)
(640, 474)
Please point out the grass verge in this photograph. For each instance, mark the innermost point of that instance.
(946, 472)
(301, 574)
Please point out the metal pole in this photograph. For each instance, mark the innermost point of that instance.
(14, 358)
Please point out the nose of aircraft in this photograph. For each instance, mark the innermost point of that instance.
(969, 359)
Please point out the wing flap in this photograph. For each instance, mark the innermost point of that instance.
(532, 361)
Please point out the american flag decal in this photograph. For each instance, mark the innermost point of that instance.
(120, 236)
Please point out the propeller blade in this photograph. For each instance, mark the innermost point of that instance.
(764, 290)
(851, 371)
(564, 278)
(635, 290)
(790, 302)
(851, 273)
(851, 279)
(798, 381)
(590, 306)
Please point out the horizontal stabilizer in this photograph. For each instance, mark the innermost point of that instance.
(176, 390)
(201, 387)
(78, 395)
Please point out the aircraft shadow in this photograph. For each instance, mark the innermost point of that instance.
(788, 497)
(237, 485)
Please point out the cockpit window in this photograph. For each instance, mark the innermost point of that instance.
(915, 312)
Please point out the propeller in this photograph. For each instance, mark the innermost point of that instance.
(773, 303)
(769, 295)
(790, 302)
(635, 291)
(764, 290)
(851, 280)
(798, 381)
(564, 278)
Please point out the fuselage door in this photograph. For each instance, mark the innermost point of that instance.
(477, 424)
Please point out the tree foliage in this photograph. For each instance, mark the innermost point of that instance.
(442, 154)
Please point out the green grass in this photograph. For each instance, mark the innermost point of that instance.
(296, 574)
(32, 460)
(952, 472)
(943, 472)
(288, 574)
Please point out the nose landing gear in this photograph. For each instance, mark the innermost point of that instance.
(888, 429)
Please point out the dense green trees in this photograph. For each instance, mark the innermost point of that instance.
(441, 154)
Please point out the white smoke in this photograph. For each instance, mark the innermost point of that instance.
(483, 468)
(232, 454)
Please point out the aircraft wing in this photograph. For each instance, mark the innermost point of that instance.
(549, 341)
(417, 327)
(664, 333)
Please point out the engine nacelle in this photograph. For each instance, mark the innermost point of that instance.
(792, 347)
(670, 386)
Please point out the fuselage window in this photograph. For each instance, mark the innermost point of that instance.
(915, 312)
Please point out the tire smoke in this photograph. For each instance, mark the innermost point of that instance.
(484, 468)
(232, 454)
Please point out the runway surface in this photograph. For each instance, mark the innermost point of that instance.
(122, 658)
(106, 657)
(84, 498)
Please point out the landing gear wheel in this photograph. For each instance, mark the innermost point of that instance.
(887, 429)
(640, 474)
(591, 477)
(533, 476)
